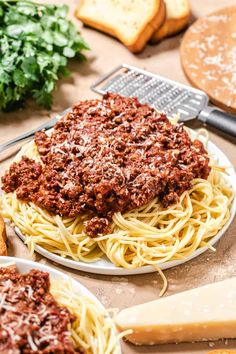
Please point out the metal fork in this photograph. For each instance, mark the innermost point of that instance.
(26, 136)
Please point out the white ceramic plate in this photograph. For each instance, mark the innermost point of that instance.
(25, 266)
(104, 266)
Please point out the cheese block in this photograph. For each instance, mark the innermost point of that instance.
(205, 313)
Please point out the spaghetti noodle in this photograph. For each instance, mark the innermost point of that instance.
(93, 330)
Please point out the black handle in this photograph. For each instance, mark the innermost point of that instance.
(221, 120)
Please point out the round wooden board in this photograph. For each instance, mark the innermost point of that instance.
(208, 57)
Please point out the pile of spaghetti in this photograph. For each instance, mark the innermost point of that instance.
(116, 177)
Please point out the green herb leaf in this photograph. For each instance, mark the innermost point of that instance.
(43, 98)
(62, 11)
(19, 78)
(5, 77)
(59, 39)
(36, 41)
(30, 68)
(47, 36)
(69, 52)
(26, 8)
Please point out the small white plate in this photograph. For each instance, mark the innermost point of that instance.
(104, 265)
(25, 266)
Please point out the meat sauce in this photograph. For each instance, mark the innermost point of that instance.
(105, 156)
(31, 321)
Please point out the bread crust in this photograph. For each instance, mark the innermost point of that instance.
(3, 238)
(150, 29)
(170, 27)
(145, 34)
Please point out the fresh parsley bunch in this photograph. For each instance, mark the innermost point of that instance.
(36, 41)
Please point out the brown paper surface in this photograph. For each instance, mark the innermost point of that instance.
(122, 292)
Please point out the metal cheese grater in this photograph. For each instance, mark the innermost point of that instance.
(165, 95)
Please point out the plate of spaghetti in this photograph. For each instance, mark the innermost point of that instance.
(118, 188)
(44, 310)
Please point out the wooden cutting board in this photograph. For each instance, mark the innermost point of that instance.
(208, 57)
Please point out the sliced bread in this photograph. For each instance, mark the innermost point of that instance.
(177, 17)
(131, 21)
(3, 238)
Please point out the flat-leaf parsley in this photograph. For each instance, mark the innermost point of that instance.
(36, 41)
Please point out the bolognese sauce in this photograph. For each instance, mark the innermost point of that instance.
(106, 156)
(31, 321)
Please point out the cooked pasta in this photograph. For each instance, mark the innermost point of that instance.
(93, 330)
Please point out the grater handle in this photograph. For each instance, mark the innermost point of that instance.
(218, 119)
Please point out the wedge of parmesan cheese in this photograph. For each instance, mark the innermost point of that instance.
(205, 313)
